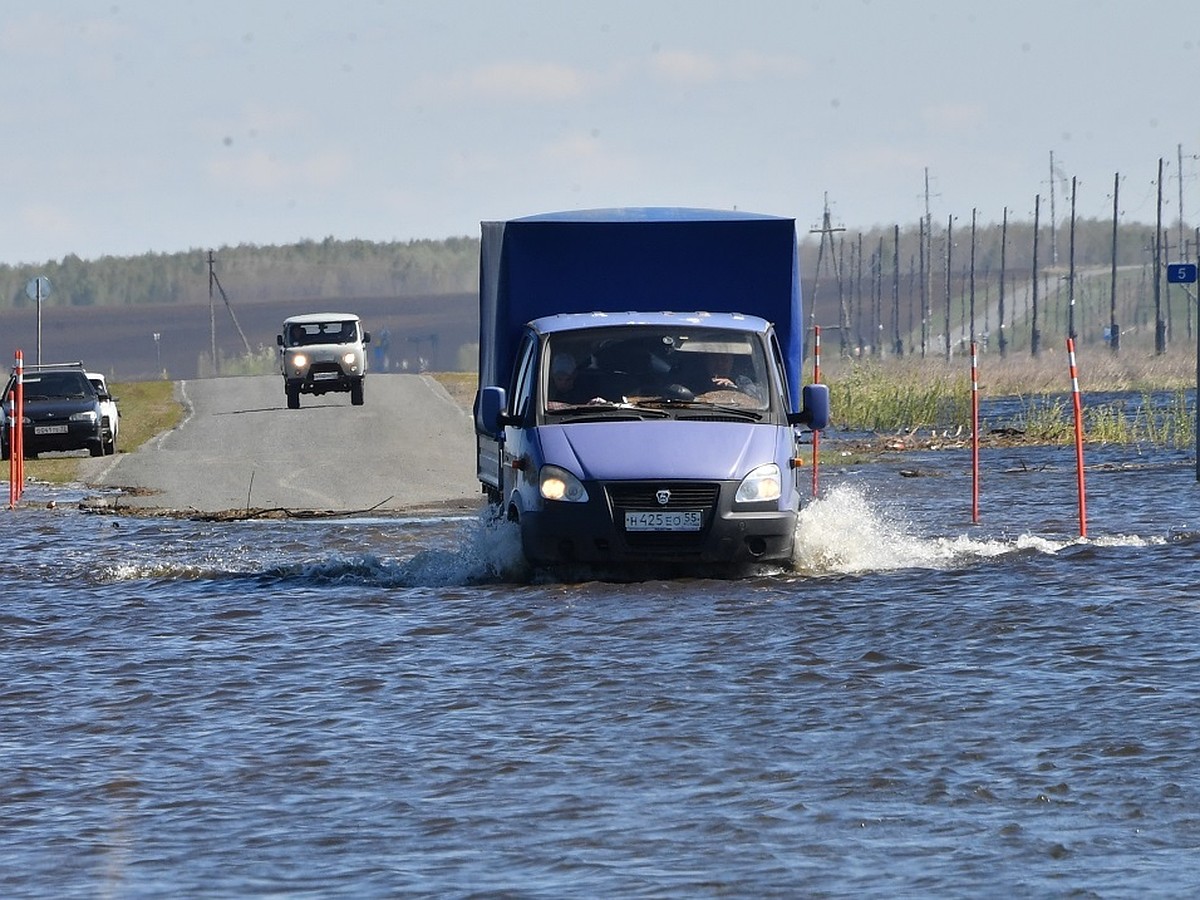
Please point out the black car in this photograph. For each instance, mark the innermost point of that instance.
(61, 412)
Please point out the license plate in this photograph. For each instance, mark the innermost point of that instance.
(50, 429)
(324, 376)
(663, 520)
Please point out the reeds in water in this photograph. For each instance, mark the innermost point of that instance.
(1157, 407)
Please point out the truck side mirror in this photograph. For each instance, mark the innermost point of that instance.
(816, 408)
(366, 337)
(492, 403)
(279, 339)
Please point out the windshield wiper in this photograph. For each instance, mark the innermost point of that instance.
(608, 411)
(738, 411)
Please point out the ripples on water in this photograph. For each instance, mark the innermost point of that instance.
(393, 707)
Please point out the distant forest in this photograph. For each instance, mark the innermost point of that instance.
(885, 290)
(252, 274)
(334, 268)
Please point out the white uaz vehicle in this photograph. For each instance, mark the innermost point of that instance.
(323, 352)
(110, 415)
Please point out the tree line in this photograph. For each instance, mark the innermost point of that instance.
(251, 273)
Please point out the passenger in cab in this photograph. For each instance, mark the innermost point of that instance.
(717, 371)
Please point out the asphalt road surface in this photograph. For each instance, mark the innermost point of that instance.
(410, 446)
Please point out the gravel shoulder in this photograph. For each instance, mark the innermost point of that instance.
(240, 451)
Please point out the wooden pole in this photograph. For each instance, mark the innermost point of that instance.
(1114, 332)
(897, 340)
(949, 249)
(1003, 266)
(1035, 336)
(1160, 328)
(1071, 270)
(971, 333)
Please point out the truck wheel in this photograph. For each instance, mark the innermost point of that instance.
(293, 395)
(96, 448)
(356, 393)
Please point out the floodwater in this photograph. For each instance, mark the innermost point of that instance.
(391, 707)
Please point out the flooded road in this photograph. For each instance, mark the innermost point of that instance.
(393, 707)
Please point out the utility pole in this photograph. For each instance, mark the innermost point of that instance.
(858, 299)
(1071, 271)
(1114, 333)
(897, 341)
(1179, 153)
(212, 312)
(1003, 258)
(972, 277)
(826, 231)
(949, 248)
(214, 281)
(927, 277)
(1160, 328)
(1035, 336)
(1053, 219)
(923, 295)
(877, 317)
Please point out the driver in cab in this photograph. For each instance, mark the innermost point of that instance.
(563, 390)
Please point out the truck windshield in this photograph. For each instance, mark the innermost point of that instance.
(655, 365)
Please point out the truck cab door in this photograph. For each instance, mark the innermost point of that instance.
(517, 423)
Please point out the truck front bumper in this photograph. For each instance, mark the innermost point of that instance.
(596, 532)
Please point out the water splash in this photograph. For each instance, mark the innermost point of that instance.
(847, 531)
(844, 532)
(487, 549)
(404, 553)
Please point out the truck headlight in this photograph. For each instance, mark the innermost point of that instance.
(85, 416)
(349, 359)
(763, 484)
(299, 360)
(556, 483)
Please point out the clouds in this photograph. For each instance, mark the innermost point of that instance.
(693, 68)
(263, 171)
(547, 81)
(518, 81)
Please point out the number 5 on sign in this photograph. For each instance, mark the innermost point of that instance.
(1181, 273)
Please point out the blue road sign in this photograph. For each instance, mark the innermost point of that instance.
(1181, 273)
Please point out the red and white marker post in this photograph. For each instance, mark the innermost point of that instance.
(1078, 407)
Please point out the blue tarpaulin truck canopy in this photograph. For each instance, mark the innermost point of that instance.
(648, 259)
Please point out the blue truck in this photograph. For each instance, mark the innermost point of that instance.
(639, 385)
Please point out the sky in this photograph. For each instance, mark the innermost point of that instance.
(143, 126)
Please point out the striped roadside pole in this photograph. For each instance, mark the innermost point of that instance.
(1078, 407)
(816, 435)
(16, 435)
(974, 432)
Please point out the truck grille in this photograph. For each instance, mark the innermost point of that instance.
(644, 496)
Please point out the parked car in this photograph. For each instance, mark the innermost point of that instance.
(109, 412)
(322, 352)
(61, 411)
